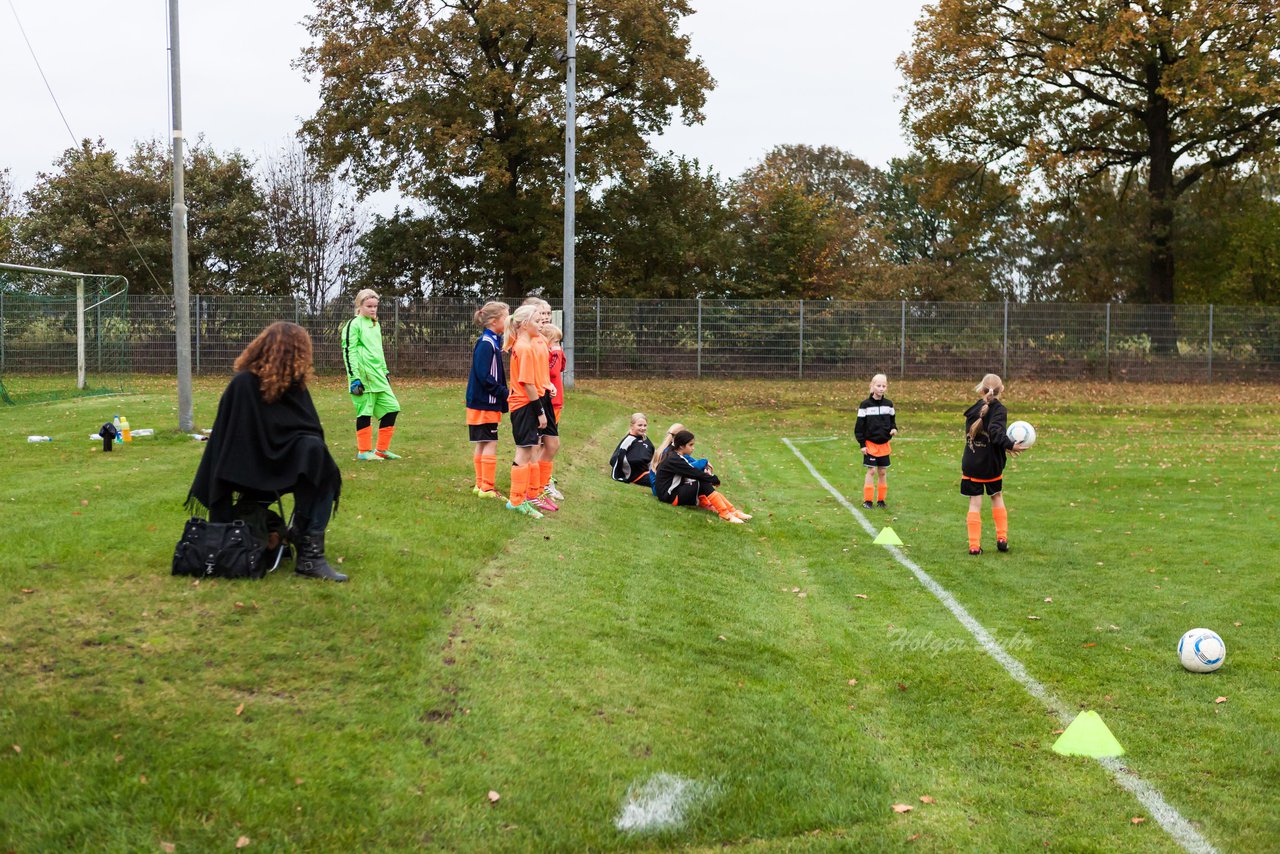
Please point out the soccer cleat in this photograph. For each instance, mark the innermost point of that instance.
(542, 502)
(368, 457)
(526, 508)
(867, 504)
(484, 493)
(881, 505)
(1002, 545)
(387, 455)
(729, 517)
(551, 490)
(975, 552)
(743, 516)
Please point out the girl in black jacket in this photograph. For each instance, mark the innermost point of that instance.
(982, 467)
(630, 460)
(681, 480)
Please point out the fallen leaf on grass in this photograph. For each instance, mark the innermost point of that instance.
(1237, 623)
(1090, 644)
(168, 847)
(1137, 819)
(1032, 617)
(493, 796)
(853, 682)
(297, 781)
(239, 709)
(33, 590)
(1220, 700)
(119, 758)
(900, 808)
(1058, 732)
(239, 604)
(84, 502)
(142, 778)
(926, 799)
(722, 637)
(913, 837)
(1048, 598)
(17, 748)
(861, 595)
(242, 842)
(901, 687)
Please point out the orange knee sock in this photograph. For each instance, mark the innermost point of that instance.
(1001, 516)
(868, 492)
(882, 490)
(488, 473)
(364, 440)
(519, 483)
(719, 503)
(479, 467)
(545, 469)
(974, 522)
(384, 437)
(532, 488)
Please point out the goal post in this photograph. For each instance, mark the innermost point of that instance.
(62, 333)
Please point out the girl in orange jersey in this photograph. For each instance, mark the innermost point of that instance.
(524, 401)
(540, 487)
(487, 396)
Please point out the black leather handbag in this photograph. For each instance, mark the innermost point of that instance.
(235, 549)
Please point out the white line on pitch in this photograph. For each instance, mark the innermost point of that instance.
(1167, 817)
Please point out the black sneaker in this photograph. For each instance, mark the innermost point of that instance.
(867, 504)
(975, 552)
(1002, 545)
(881, 505)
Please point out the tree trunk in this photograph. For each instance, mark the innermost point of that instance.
(1159, 288)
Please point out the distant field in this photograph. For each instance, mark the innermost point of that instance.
(491, 683)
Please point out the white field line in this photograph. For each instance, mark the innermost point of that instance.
(663, 802)
(1167, 817)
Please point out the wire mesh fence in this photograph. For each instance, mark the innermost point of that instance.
(771, 339)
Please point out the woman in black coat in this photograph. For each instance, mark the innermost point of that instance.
(267, 441)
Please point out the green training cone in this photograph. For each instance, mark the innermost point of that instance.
(887, 538)
(1087, 736)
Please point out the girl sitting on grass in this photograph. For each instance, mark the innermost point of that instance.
(685, 481)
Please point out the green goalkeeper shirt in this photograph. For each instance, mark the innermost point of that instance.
(361, 340)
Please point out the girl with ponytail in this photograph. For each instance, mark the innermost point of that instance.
(487, 396)
(982, 466)
(684, 481)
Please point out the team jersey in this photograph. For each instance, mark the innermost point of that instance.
(526, 360)
(984, 455)
(556, 368)
(361, 340)
(876, 418)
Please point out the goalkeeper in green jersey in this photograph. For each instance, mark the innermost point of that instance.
(361, 340)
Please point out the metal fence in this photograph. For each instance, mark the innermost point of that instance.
(774, 339)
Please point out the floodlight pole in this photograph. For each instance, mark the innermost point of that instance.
(570, 134)
(178, 217)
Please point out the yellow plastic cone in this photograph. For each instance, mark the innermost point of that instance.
(887, 538)
(1087, 736)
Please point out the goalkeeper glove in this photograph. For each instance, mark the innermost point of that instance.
(357, 388)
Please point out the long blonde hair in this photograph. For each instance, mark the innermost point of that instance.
(364, 295)
(489, 312)
(665, 446)
(990, 388)
(521, 317)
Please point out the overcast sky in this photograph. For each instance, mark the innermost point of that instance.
(787, 71)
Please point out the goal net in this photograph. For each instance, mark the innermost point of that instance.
(62, 334)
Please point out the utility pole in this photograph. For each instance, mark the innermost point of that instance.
(181, 286)
(570, 134)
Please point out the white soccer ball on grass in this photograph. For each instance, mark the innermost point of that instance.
(1022, 433)
(1201, 651)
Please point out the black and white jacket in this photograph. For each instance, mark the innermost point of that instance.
(630, 460)
(875, 419)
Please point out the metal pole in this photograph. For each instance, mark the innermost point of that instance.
(801, 371)
(1210, 342)
(902, 340)
(597, 337)
(570, 133)
(395, 335)
(699, 337)
(1106, 345)
(97, 330)
(197, 333)
(1004, 370)
(80, 333)
(178, 216)
(1, 333)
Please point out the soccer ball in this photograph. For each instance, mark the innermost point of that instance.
(1022, 433)
(1201, 651)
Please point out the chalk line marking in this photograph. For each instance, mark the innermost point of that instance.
(1165, 815)
(662, 802)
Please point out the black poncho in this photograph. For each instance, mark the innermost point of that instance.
(263, 449)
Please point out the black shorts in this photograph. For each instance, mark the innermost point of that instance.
(483, 432)
(974, 487)
(552, 429)
(875, 462)
(524, 426)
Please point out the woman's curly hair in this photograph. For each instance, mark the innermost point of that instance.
(280, 357)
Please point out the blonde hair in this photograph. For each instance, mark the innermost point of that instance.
(990, 388)
(490, 311)
(538, 301)
(552, 332)
(364, 295)
(872, 386)
(665, 446)
(521, 317)
(639, 416)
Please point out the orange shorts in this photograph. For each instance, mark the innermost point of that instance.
(877, 450)
(482, 416)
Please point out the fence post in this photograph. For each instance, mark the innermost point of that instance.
(395, 337)
(1004, 368)
(80, 381)
(902, 343)
(297, 312)
(597, 337)
(801, 339)
(1210, 342)
(197, 349)
(1106, 345)
(1, 332)
(699, 337)
(97, 331)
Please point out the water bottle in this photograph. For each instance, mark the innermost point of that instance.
(116, 423)
(39, 438)
(124, 429)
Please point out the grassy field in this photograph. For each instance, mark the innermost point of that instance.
(488, 682)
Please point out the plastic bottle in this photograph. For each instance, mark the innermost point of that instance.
(119, 436)
(124, 428)
(39, 438)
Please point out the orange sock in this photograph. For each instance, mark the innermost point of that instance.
(519, 483)
(868, 492)
(364, 440)
(720, 504)
(974, 522)
(479, 466)
(384, 437)
(1001, 515)
(532, 488)
(545, 468)
(488, 467)
(883, 489)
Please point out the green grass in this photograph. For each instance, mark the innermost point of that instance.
(559, 662)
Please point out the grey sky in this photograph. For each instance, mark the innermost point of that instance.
(803, 71)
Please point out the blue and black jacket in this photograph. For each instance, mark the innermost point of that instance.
(487, 384)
